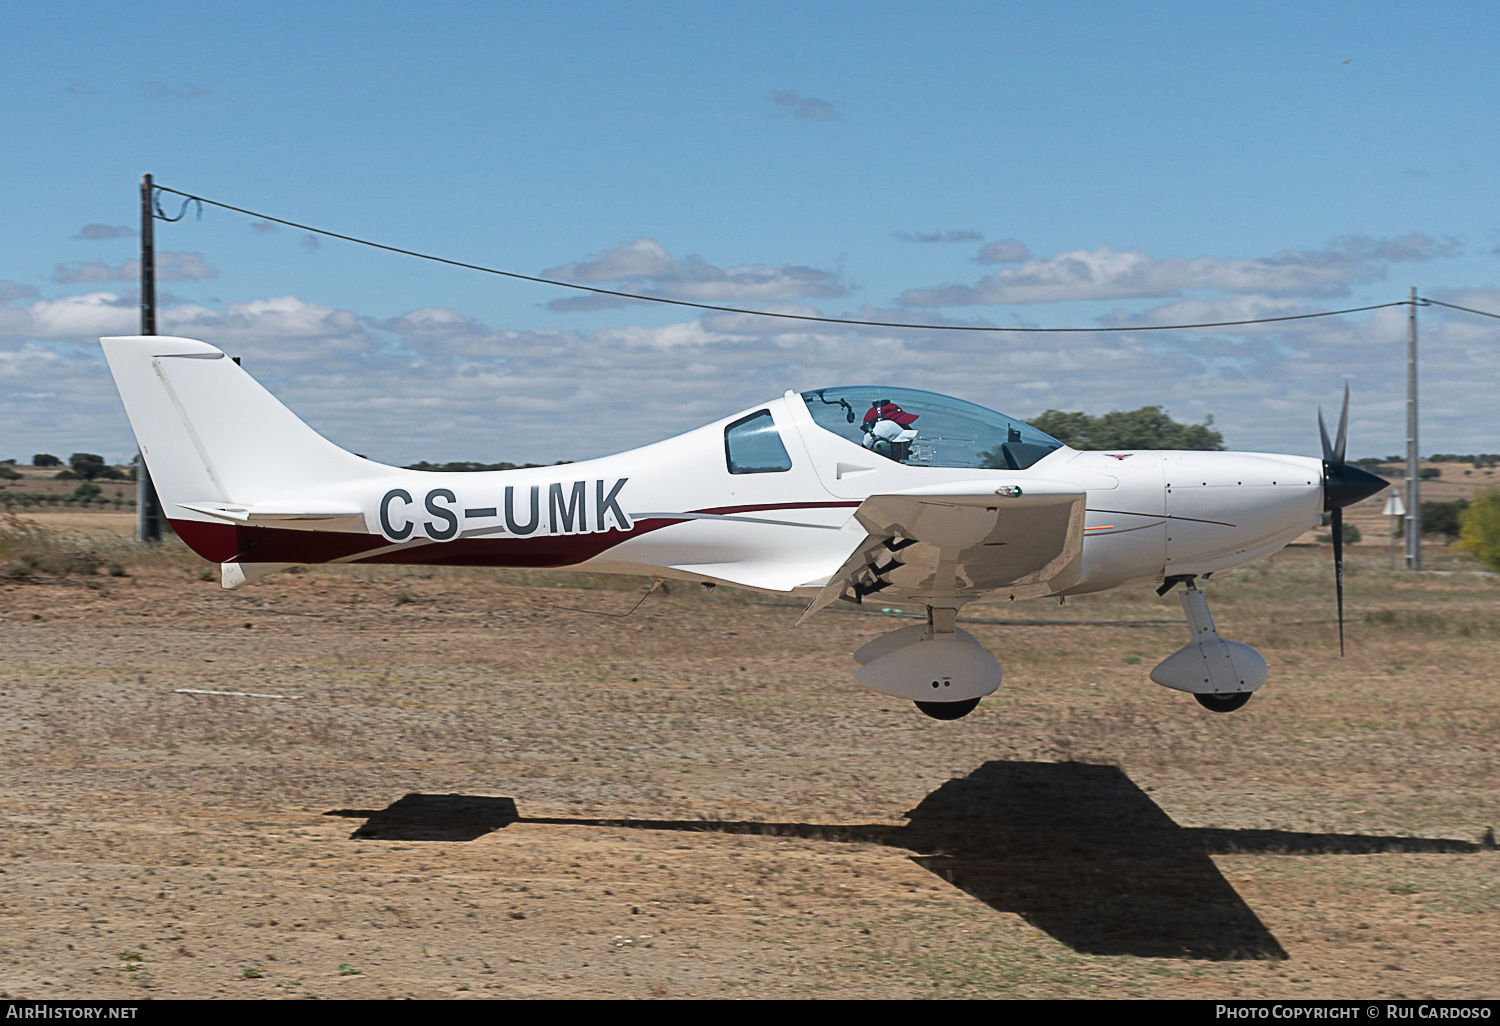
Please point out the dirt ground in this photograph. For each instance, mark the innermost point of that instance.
(478, 786)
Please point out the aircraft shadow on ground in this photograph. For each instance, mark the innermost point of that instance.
(1077, 850)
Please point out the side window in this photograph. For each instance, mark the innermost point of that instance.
(752, 445)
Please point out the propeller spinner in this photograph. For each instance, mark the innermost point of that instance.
(1343, 485)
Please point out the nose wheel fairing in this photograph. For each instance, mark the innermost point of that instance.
(1209, 664)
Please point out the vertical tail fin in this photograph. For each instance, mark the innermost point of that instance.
(210, 433)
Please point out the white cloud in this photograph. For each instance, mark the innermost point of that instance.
(1216, 310)
(286, 330)
(72, 274)
(802, 108)
(95, 232)
(750, 326)
(961, 235)
(1005, 251)
(645, 266)
(582, 301)
(1412, 247)
(643, 258)
(11, 290)
(435, 332)
(91, 315)
(1105, 274)
(183, 267)
(1110, 274)
(436, 384)
(169, 267)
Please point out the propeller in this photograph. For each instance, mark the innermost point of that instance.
(1343, 485)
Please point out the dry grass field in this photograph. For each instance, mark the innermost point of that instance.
(484, 788)
(41, 488)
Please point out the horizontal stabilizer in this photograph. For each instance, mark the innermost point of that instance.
(268, 514)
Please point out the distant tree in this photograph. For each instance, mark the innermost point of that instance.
(1150, 427)
(1479, 528)
(45, 459)
(7, 474)
(87, 465)
(1443, 517)
(1351, 535)
(1068, 428)
(1428, 473)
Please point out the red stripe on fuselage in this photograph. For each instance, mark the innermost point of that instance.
(223, 543)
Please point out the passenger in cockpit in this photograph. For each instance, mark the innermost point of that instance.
(888, 430)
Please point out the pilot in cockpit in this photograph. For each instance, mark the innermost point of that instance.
(888, 430)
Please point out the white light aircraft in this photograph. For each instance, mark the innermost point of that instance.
(827, 495)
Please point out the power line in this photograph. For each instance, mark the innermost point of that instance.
(1453, 306)
(766, 313)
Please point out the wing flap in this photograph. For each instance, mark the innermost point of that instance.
(953, 542)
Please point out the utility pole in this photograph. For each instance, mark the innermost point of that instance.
(1413, 468)
(147, 504)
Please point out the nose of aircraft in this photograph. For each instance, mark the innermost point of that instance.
(1344, 485)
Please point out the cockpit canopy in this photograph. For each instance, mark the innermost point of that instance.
(924, 429)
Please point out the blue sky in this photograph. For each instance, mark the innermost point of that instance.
(1054, 164)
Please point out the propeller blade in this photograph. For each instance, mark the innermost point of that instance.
(1343, 485)
(1338, 569)
(1323, 431)
(1338, 446)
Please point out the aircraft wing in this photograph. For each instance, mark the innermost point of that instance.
(958, 540)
